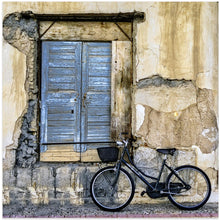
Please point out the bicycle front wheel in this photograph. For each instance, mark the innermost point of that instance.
(112, 190)
(195, 193)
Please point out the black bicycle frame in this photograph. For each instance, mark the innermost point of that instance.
(141, 175)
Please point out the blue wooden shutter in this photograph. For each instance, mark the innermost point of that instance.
(76, 94)
(96, 93)
(61, 92)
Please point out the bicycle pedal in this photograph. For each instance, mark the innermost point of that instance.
(142, 194)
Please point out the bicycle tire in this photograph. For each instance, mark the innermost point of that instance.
(196, 195)
(109, 197)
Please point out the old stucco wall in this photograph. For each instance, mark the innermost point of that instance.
(14, 96)
(174, 96)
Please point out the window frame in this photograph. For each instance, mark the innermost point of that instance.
(120, 47)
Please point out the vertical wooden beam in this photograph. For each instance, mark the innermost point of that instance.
(121, 86)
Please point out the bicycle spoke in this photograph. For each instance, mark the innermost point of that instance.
(109, 196)
(195, 193)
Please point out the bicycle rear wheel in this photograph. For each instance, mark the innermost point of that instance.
(112, 192)
(197, 191)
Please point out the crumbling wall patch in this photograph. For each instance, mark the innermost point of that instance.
(158, 81)
(22, 33)
(27, 144)
(194, 125)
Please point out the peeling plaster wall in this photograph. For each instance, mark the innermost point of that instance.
(22, 34)
(14, 71)
(175, 92)
(177, 41)
(187, 114)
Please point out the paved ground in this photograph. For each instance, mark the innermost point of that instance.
(91, 211)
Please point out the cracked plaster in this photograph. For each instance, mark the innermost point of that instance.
(156, 53)
(194, 125)
(13, 94)
(22, 34)
(166, 98)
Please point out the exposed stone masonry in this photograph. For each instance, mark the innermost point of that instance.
(22, 33)
(48, 184)
(27, 144)
(157, 81)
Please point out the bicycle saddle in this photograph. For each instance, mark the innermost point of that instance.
(170, 151)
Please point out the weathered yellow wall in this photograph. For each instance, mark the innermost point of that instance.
(75, 7)
(177, 41)
(14, 95)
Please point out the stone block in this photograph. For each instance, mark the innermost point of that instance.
(185, 157)
(43, 177)
(78, 179)
(63, 177)
(59, 193)
(9, 158)
(18, 194)
(44, 197)
(209, 160)
(148, 160)
(78, 185)
(9, 179)
(39, 195)
(5, 196)
(33, 194)
(23, 177)
(213, 176)
(90, 172)
(51, 194)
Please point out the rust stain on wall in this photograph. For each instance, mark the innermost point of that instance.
(180, 39)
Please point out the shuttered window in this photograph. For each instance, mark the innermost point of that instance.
(96, 91)
(75, 97)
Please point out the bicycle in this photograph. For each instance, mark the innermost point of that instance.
(112, 188)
